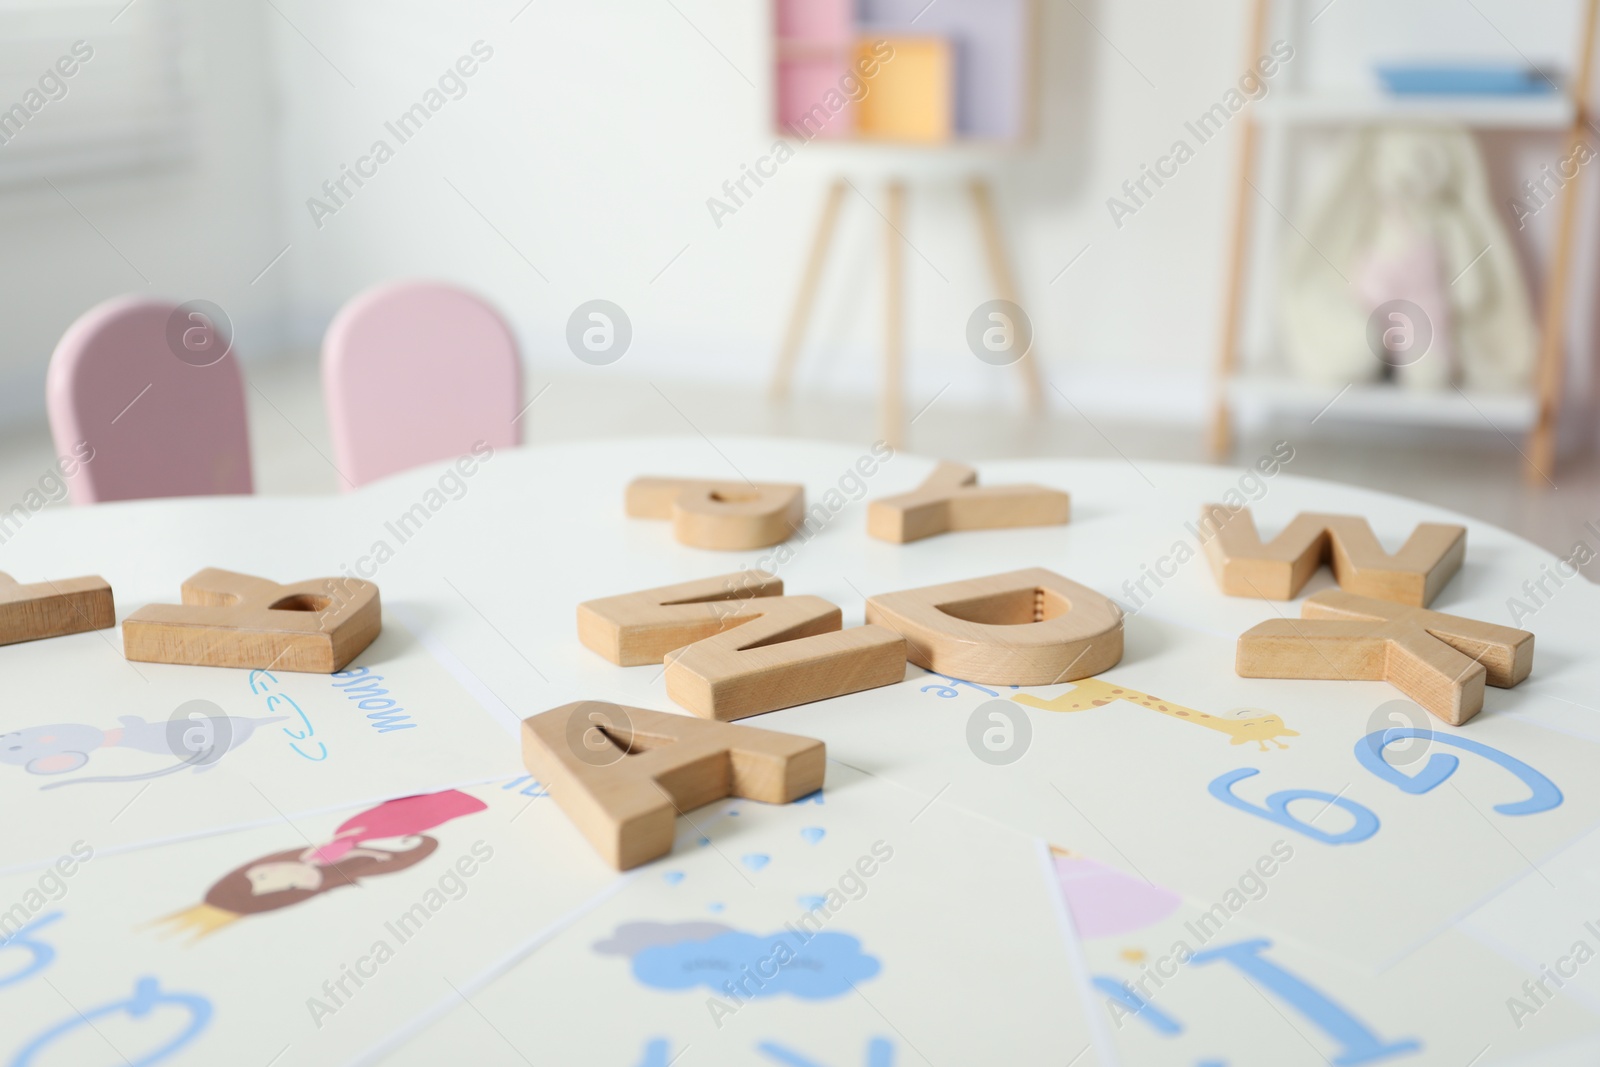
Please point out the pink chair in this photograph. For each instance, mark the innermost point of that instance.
(142, 421)
(416, 372)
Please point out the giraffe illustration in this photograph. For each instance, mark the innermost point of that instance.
(1095, 692)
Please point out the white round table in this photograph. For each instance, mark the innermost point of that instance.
(488, 568)
(537, 530)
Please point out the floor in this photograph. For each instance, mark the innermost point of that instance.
(1478, 474)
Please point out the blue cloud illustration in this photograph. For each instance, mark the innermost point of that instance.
(825, 965)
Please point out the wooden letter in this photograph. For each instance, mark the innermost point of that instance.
(1278, 570)
(951, 499)
(623, 774)
(1028, 627)
(1440, 661)
(53, 609)
(236, 620)
(639, 628)
(731, 516)
(791, 652)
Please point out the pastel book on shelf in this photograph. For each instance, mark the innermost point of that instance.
(989, 48)
(913, 96)
(813, 94)
(903, 71)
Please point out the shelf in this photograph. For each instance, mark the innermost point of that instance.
(981, 89)
(1373, 402)
(1549, 112)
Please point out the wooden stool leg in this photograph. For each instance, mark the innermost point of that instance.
(1004, 283)
(892, 416)
(783, 376)
(1541, 455)
(1221, 436)
(1220, 440)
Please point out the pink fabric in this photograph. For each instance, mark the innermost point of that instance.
(397, 818)
(417, 372)
(1413, 272)
(156, 425)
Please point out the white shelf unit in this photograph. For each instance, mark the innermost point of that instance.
(1262, 388)
(1553, 111)
(1384, 403)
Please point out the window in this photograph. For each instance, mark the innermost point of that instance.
(90, 87)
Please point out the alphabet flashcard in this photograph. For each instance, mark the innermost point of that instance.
(1182, 979)
(351, 915)
(175, 751)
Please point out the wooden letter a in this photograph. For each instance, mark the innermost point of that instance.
(623, 775)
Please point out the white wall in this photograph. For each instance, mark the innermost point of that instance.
(592, 139)
(203, 229)
(595, 136)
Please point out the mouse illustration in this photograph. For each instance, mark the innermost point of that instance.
(63, 747)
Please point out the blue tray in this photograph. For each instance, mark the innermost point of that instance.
(1416, 79)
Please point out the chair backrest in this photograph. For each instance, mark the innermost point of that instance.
(416, 372)
(143, 421)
